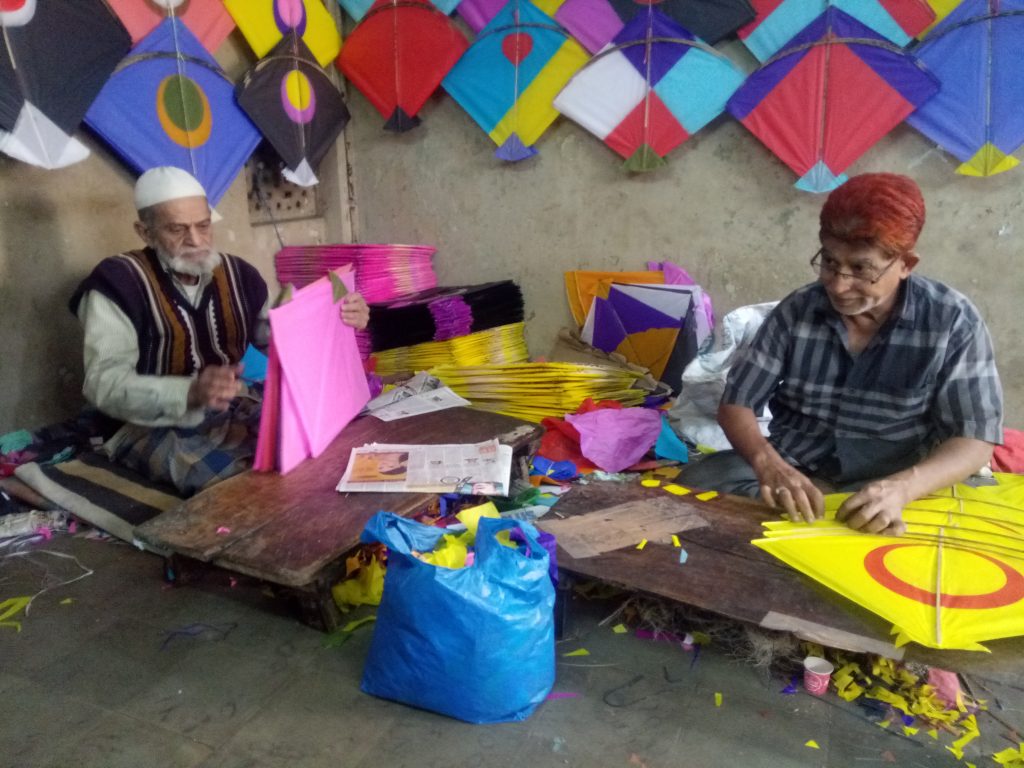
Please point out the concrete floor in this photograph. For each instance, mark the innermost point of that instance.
(96, 678)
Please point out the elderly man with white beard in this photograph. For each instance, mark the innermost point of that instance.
(165, 329)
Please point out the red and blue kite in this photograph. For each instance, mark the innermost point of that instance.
(357, 9)
(398, 55)
(509, 77)
(836, 89)
(898, 21)
(977, 53)
(650, 90)
(594, 23)
(170, 103)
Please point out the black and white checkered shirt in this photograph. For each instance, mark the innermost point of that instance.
(928, 375)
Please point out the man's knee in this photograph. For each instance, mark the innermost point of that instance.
(725, 472)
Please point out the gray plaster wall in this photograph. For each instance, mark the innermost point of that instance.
(724, 208)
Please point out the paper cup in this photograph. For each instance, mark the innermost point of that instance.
(817, 673)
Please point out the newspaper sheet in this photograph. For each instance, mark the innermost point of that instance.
(414, 405)
(480, 468)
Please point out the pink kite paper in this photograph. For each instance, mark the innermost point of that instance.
(615, 439)
(315, 383)
(206, 19)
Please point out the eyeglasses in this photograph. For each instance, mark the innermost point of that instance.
(826, 268)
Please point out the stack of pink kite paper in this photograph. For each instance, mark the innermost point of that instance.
(383, 272)
(315, 382)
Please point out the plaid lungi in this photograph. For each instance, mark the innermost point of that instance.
(191, 459)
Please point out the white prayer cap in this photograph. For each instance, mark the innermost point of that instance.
(166, 182)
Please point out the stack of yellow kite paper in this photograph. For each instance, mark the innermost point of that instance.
(956, 577)
(504, 344)
(533, 391)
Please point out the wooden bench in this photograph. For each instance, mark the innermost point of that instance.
(725, 575)
(295, 530)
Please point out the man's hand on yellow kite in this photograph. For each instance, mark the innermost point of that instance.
(876, 508)
(785, 487)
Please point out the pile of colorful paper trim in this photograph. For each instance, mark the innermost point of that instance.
(383, 272)
(439, 314)
(504, 344)
(533, 391)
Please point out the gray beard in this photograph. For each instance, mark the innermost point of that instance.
(184, 266)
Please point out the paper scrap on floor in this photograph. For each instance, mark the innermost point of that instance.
(482, 468)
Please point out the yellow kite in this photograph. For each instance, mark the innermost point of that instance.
(265, 22)
(956, 577)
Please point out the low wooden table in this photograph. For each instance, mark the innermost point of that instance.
(294, 530)
(724, 574)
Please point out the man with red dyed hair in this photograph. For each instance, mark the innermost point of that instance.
(880, 381)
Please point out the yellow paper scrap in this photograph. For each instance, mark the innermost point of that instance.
(365, 588)
(707, 495)
(676, 490)
(669, 472)
(883, 694)
(970, 765)
(909, 730)
(701, 638)
(970, 725)
(934, 733)
(66, 601)
(642, 544)
(675, 541)
(470, 517)
(10, 608)
(578, 652)
(812, 744)
(718, 699)
(850, 692)
(883, 724)
(1009, 756)
(620, 629)
(352, 626)
(650, 483)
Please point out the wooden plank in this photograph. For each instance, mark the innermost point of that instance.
(286, 529)
(724, 574)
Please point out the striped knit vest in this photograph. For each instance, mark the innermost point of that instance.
(176, 338)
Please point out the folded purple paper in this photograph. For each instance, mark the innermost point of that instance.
(615, 439)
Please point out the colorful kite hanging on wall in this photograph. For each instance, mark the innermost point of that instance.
(509, 77)
(778, 21)
(953, 580)
(836, 89)
(594, 23)
(265, 22)
(169, 103)
(977, 53)
(206, 19)
(398, 55)
(650, 90)
(942, 9)
(357, 9)
(55, 60)
(296, 107)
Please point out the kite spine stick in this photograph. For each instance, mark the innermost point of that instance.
(938, 588)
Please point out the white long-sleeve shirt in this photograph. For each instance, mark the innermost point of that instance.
(111, 353)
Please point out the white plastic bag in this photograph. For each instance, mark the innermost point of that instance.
(694, 415)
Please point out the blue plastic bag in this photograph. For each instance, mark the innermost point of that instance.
(476, 643)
